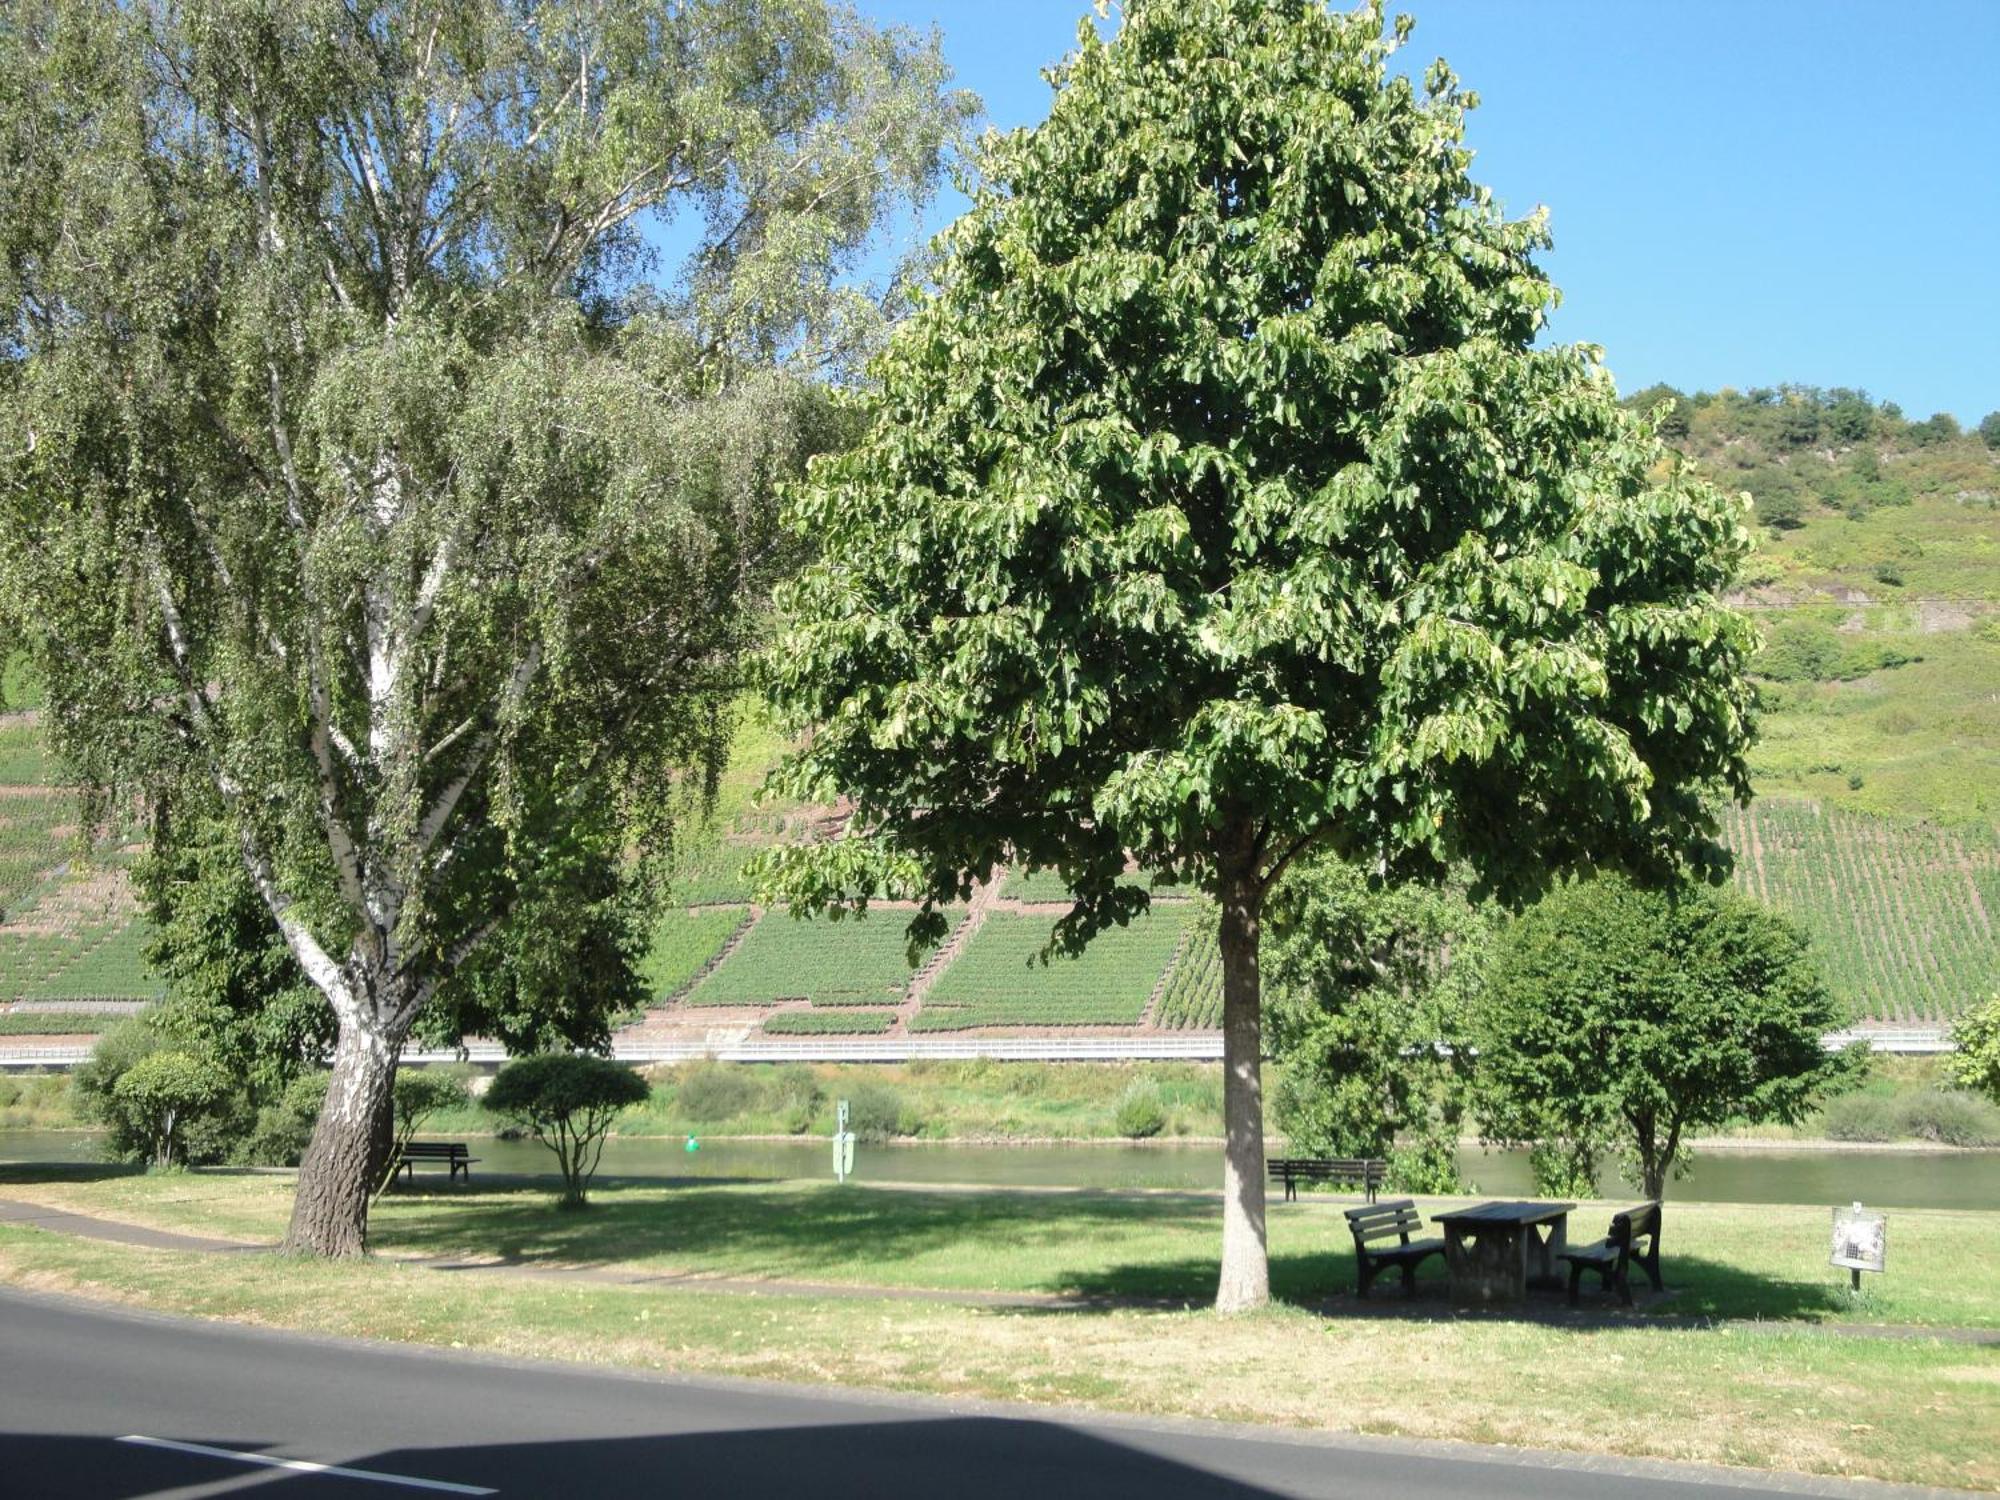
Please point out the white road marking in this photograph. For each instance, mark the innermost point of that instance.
(306, 1466)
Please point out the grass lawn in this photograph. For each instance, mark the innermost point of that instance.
(1784, 1397)
(1724, 1260)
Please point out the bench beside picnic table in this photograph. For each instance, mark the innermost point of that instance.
(1364, 1172)
(451, 1153)
(1613, 1256)
(1395, 1218)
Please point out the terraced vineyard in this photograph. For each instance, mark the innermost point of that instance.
(852, 962)
(1192, 1000)
(997, 980)
(829, 1022)
(684, 942)
(1903, 915)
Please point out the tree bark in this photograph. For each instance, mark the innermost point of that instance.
(1246, 1273)
(330, 1207)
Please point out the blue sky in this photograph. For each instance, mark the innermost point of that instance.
(1742, 192)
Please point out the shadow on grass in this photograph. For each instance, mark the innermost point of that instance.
(1700, 1292)
(985, 1239)
(29, 1172)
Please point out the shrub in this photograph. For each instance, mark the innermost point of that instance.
(1140, 1112)
(205, 1134)
(418, 1094)
(284, 1129)
(567, 1102)
(163, 1093)
(795, 1097)
(1428, 1166)
(876, 1112)
(711, 1091)
(1948, 1117)
(1989, 429)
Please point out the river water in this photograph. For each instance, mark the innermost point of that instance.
(1889, 1179)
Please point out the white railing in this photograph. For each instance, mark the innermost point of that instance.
(1172, 1046)
(1892, 1038)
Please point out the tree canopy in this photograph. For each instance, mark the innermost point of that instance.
(1625, 1018)
(363, 475)
(1217, 504)
(1371, 995)
(567, 1102)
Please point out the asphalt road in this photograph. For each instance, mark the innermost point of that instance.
(79, 1383)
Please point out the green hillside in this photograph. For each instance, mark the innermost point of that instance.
(1877, 585)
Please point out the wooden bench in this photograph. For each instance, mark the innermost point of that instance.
(1394, 1219)
(452, 1153)
(1364, 1172)
(1613, 1256)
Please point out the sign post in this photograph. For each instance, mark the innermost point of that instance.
(843, 1144)
(1860, 1242)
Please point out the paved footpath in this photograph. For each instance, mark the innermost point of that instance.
(98, 1401)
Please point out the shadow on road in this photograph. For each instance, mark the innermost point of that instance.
(964, 1458)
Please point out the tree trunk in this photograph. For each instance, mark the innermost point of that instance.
(1246, 1272)
(330, 1207)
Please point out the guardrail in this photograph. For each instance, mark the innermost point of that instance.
(1891, 1038)
(1172, 1047)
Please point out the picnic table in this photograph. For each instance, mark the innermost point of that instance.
(1492, 1251)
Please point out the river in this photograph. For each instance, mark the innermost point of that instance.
(1886, 1178)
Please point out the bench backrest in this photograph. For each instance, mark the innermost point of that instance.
(1379, 1221)
(1346, 1168)
(1635, 1224)
(434, 1148)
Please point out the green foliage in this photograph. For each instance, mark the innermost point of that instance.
(1626, 1017)
(829, 1022)
(1165, 532)
(139, 1124)
(682, 945)
(379, 495)
(1975, 1064)
(876, 1112)
(861, 961)
(1944, 1117)
(1370, 990)
(1192, 999)
(795, 1095)
(1989, 429)
(567, 1101)
(1801, 649)
(1141, 1113)
(1000, 978)
(52, 1023)
(713, 1091)
(284, 1127)
(1899, 913)
(164, 1093)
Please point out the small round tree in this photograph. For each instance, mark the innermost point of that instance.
(567, 1101)
(1218, 505)
(1623, 1017)
(419, 1093)
(162, 1093)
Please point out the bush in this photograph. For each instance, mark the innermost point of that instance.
(710, 1091)
(164, 1093)
(794, 1096)
(876, 1112)
(567, 1102)
(1140, 1113)
(206, 1134)
(1428, 1166)
(1989, 429)
(1947, 1117)
(284, 1129)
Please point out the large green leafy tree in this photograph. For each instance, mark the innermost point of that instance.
(1217, 506)
(1369, 999)
(354, 473)
(1629, 1017)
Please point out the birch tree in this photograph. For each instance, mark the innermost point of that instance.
(363, 466)
(1218, 506)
